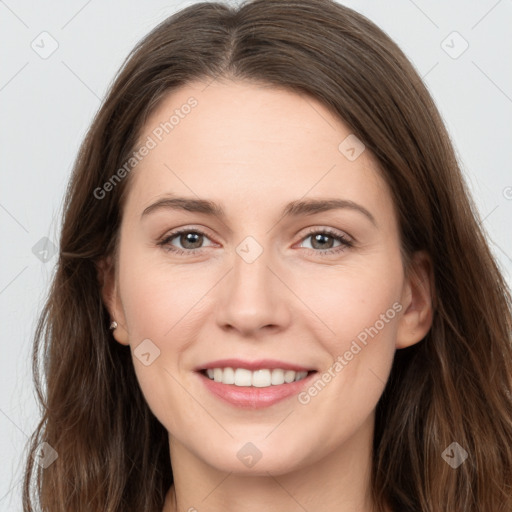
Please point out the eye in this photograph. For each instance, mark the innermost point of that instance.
(190, 239)
(322, 241)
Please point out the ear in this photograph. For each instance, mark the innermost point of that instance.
(109, 293)
(416, 300)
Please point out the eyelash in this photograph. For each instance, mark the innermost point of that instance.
(345, 242)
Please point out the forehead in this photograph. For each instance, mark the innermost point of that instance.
(251, 143)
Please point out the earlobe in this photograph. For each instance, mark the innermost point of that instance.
(417, 317)
(109, 293)
(119, 332)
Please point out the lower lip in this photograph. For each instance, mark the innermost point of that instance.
(253, 397)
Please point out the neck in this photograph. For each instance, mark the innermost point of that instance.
(339, 481)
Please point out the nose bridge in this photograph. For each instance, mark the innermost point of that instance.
(251, 297)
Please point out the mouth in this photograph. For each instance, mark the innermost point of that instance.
(254, 385)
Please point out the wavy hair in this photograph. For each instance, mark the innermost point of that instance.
(453, 386)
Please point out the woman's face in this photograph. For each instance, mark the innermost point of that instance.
(284, 278)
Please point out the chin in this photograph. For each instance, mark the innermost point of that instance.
(257, 458)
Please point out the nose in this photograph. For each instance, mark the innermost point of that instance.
(253, 299)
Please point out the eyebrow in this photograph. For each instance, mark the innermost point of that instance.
(292, 209)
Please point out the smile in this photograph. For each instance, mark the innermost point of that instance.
(261, 378)
(247, 389)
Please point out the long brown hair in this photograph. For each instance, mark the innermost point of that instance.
(453, 386)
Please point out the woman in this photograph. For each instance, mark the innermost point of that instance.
(273, 292)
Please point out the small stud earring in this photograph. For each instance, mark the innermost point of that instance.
(113, 325)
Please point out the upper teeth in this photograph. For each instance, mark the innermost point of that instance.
(259, 378)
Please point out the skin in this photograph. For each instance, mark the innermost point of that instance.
(252, 149)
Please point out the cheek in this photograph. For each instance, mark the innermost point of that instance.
(158, 302)
(363, 315)
(354, 302)
(156, 296)
(362, 311)
(360, 305)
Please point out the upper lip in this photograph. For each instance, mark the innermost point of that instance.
(254, 365)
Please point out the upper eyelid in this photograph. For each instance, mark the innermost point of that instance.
(186, 229)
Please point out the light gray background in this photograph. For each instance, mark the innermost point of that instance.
(47, 105)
